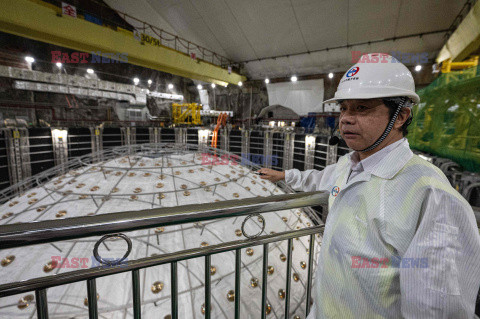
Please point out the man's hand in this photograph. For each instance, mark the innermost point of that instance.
(271, 175)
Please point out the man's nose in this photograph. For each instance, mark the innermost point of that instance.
(347, 118)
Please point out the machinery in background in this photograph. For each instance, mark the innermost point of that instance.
(186, 113)
(221, 121)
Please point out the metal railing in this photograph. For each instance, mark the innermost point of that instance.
(19, 235)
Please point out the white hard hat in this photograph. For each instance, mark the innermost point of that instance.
(376, 75)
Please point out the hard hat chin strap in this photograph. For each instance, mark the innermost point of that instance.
(388, 129)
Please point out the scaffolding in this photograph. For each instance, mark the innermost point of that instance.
(186, 113)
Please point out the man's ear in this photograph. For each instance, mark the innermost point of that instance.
(402, 117)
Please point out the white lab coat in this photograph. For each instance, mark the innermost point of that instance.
(402, 208)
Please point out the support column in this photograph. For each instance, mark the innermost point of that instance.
(128, 136)
(181, 135)
(288, 148)
(155, 136)
(267, 149)
(225, 139)
(203, 139)
(18, 154)
(96, 134)
(245, 144)
(310, 141)
(60, 146)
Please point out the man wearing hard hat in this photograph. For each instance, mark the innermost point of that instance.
(399, 241)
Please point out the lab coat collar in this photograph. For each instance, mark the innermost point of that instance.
(390, 163)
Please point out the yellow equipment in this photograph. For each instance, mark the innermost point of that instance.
(186, 113)
(466, 69)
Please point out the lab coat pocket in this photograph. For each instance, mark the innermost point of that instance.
(441, 252)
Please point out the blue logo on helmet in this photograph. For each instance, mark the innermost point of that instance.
(352, 71)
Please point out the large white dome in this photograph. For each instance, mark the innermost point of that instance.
(148, 178)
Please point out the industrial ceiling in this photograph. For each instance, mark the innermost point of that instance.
(288, 29)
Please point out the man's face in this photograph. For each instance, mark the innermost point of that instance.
(362, 122)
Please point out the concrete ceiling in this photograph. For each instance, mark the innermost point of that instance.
(250, 30)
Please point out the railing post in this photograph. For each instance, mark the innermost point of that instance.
(331, 154)
(246, 144)
(137, 306)
(208, 262)
(238, 263)
(289, 274)
(224, 139)
(267, 149)
(309, 151)
(60, 146)
(92, 299)
(288, 149)
(174, 291)
(264, 281)
(42, 304)
(309, 275)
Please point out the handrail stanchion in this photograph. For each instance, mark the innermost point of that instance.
(309, 278)
(137, 306)
(92, 299)
(208, 263)
(238, 264)
(174, 294)
(289, 279)
(41, 302)
(264, 281)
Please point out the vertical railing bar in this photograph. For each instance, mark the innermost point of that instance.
(174, 290)
(92, 299)
(41, 303)
(137, 307)
(309, 274)
(208, 261)
(264, 281)
(238, 263)
(289, 274)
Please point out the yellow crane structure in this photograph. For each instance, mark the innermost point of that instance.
(186, 113)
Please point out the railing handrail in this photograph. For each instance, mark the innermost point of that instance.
(101, 271)
(24, 234)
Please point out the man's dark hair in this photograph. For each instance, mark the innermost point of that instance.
(392, 105)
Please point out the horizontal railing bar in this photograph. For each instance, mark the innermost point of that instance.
(24, 234)
(85, 274)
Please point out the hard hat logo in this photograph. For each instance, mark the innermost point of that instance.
(352, 71)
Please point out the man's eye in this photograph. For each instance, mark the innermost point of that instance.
(361, 108)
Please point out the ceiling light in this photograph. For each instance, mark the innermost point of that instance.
(199, 87)
(136, 81)
(213, 85)
(59, 65)
(293, 78)
(240, 83)
(170, 86)
(29, 59)
(330, 75)
(90, 71)
(267, 80)
(418, 68)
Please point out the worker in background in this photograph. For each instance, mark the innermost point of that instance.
(399, 241)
